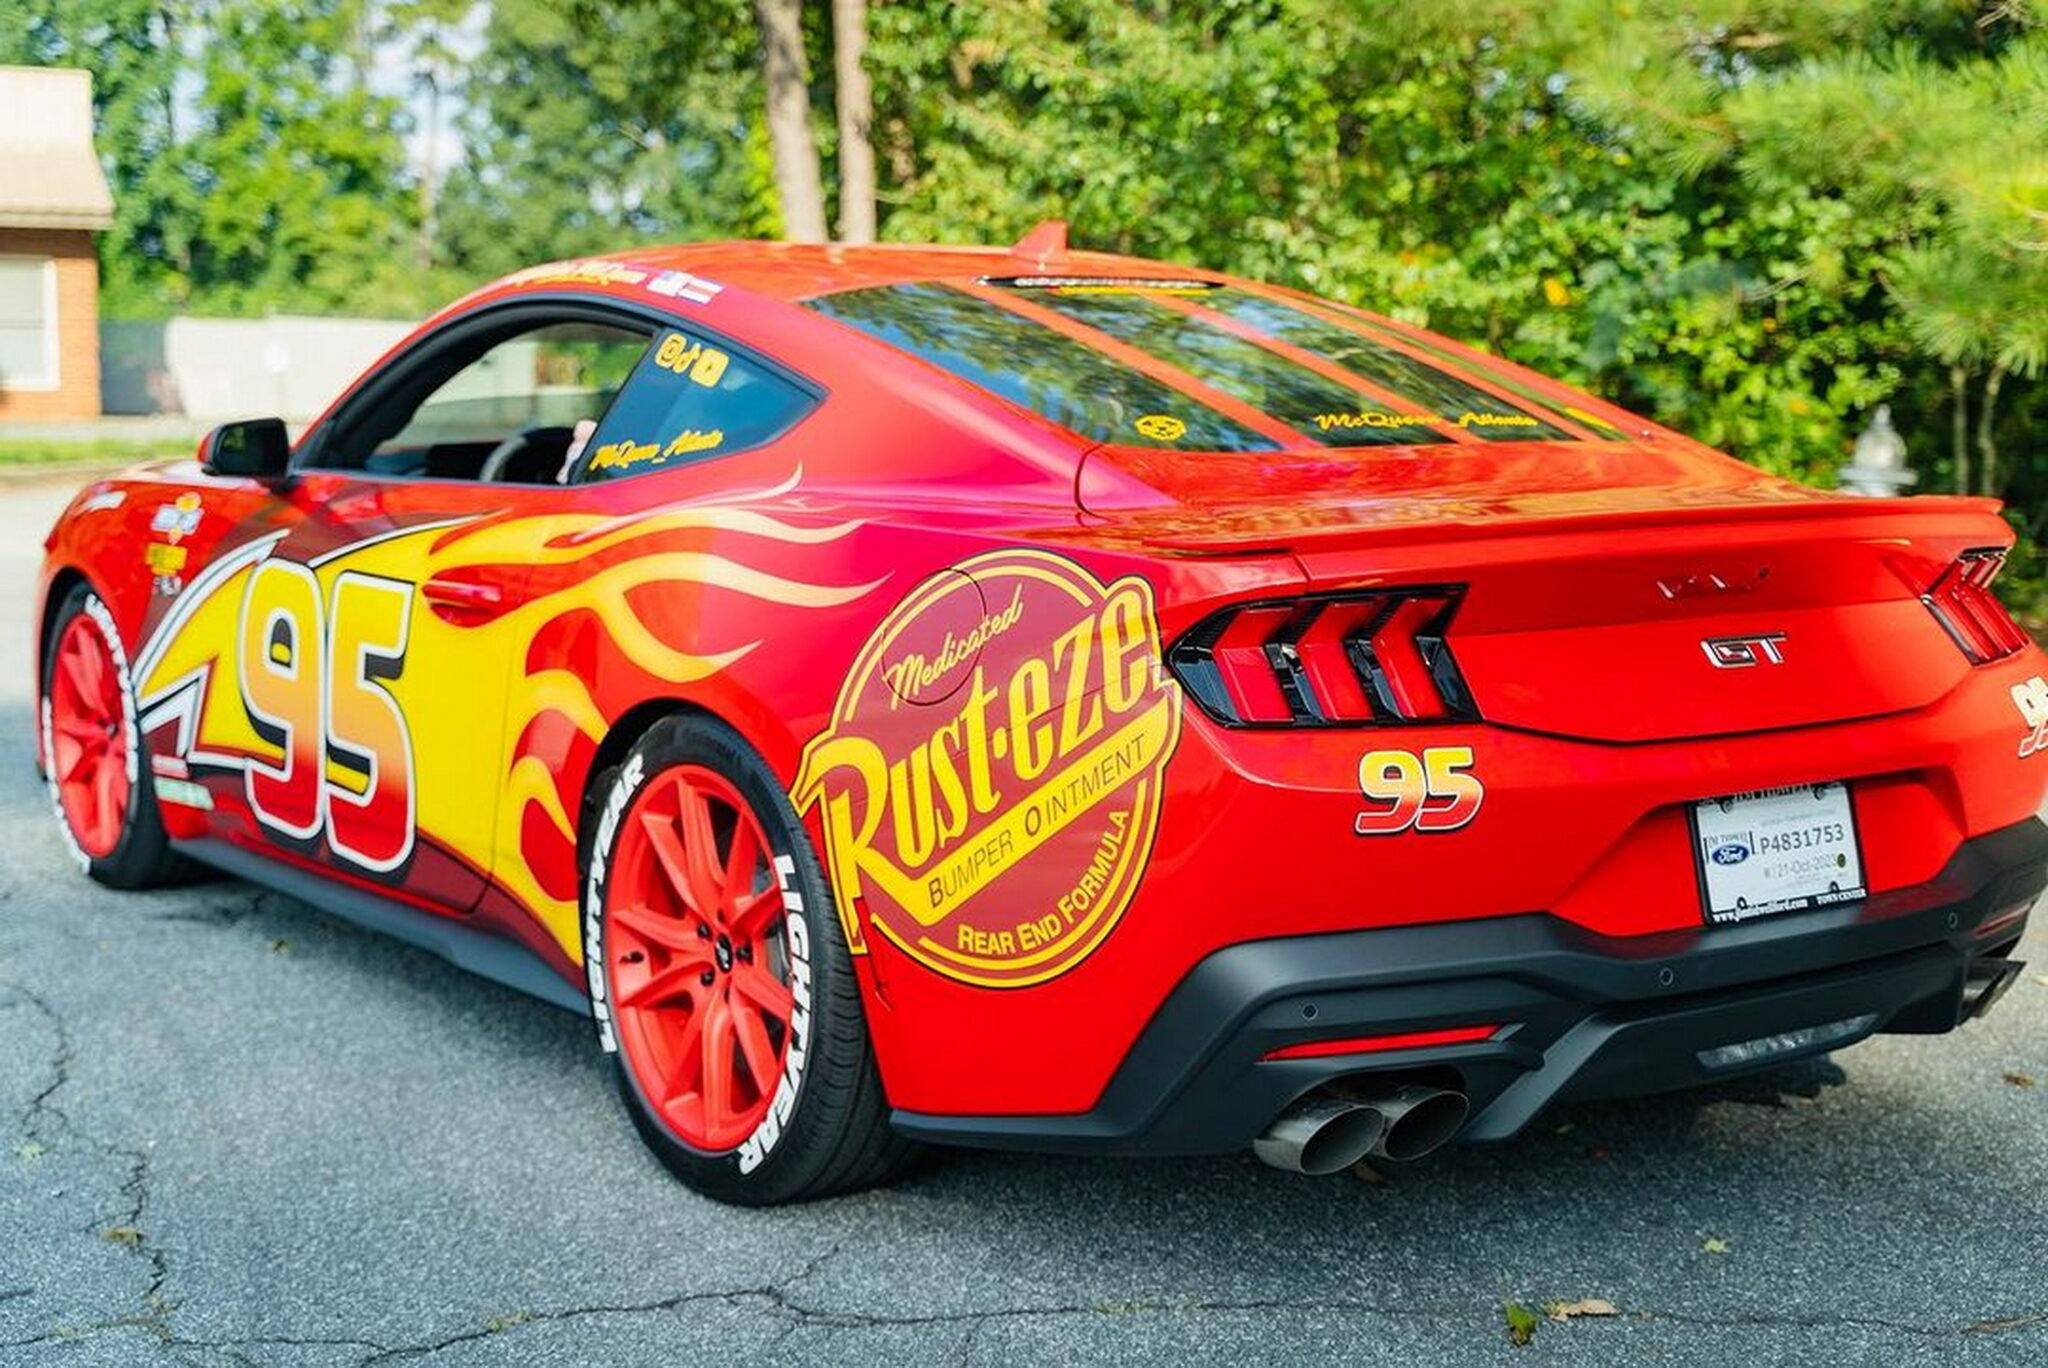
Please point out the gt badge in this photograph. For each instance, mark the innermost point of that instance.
(2031, 698)
(990, 781)
(1741, 652)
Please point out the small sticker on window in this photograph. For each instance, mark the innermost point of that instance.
(1161, 427)
(703, 365)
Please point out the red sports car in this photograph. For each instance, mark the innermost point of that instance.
(1045, 700)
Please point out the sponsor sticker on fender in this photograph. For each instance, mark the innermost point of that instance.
(2031, 698)
(990, 781)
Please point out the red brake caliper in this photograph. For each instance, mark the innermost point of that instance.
(698, 961)
(89, 744)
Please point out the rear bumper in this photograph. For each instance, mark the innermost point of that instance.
(1580, 1014)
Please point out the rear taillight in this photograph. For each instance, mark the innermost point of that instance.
(1962, 602)
(1342, 660)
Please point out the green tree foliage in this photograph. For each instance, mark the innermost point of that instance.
(590, 127)
(1754, 219)
(131, 46)
(1601, 190)
(251, 166)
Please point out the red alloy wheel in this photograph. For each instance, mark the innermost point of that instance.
(89, 737)
(700, 979)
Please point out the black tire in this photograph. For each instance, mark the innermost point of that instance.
(142, 856)
(837, 1136)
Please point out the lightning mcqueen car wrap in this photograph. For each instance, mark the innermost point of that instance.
(1031, 698)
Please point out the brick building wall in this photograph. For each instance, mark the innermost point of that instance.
(77, 394)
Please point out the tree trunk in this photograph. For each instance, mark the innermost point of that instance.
(1987, 444)
(1959, 433)
(173, 36)
(856, 119)
(430, 177)
(359, 44)
(797, 182)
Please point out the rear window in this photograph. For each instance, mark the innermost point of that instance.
(1071, 383)
(1270, 362)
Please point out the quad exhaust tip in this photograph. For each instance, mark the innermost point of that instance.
(1418, 1121)
(1329, 1134)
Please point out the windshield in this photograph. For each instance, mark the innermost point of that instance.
(1188, 365)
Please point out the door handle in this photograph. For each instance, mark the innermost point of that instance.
(453, 600)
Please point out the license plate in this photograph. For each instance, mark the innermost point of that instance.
(1780, 850)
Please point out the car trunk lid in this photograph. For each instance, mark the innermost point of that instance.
(1624, 595)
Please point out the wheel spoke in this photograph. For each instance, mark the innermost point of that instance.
(764, 990)
(656, 928)
(667, 843)
(753, 914)
(716, 1078)
(104, 800)
(82, 668)
(757, 1051)
(72, 760)
(679, 978)
(700, 848)
(742, 862)
(689, 1057)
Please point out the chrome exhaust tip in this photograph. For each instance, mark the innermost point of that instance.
(1415, 1120)
(1320, 1137)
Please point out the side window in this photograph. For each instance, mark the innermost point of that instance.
(510, 409)
(690, 399)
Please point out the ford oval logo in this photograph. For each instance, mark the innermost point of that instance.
(1729, 853)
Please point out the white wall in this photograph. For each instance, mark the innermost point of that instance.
(214, 369)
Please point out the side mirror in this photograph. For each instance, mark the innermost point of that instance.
(256, 449)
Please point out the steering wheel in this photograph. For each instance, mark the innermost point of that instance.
(504, 453)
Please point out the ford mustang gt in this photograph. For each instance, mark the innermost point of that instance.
(1036, 699)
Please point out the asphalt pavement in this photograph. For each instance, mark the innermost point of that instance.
(234, 1131)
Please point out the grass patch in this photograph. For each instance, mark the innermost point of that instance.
(57, 451)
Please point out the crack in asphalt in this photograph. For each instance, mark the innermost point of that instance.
(1201, 1306)
(774, 1300)
(772, 1293)
(31, 1124)
(44, 1123)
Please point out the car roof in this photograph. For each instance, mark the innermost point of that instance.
(792, 271)
(756, 293)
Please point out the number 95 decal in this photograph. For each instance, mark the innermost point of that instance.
(1429, 792)
(316, 675)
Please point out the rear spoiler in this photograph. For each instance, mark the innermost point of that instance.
(1412, 520)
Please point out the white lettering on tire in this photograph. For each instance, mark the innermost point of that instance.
(593, 899)
(754, 1150)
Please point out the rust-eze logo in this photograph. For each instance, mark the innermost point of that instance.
(990, 781)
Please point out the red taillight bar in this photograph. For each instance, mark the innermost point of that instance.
(1412, 1040)
(1962, 602)
(1394, 647)
(1240, 657)
(1338, 660)
(1324, 653)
